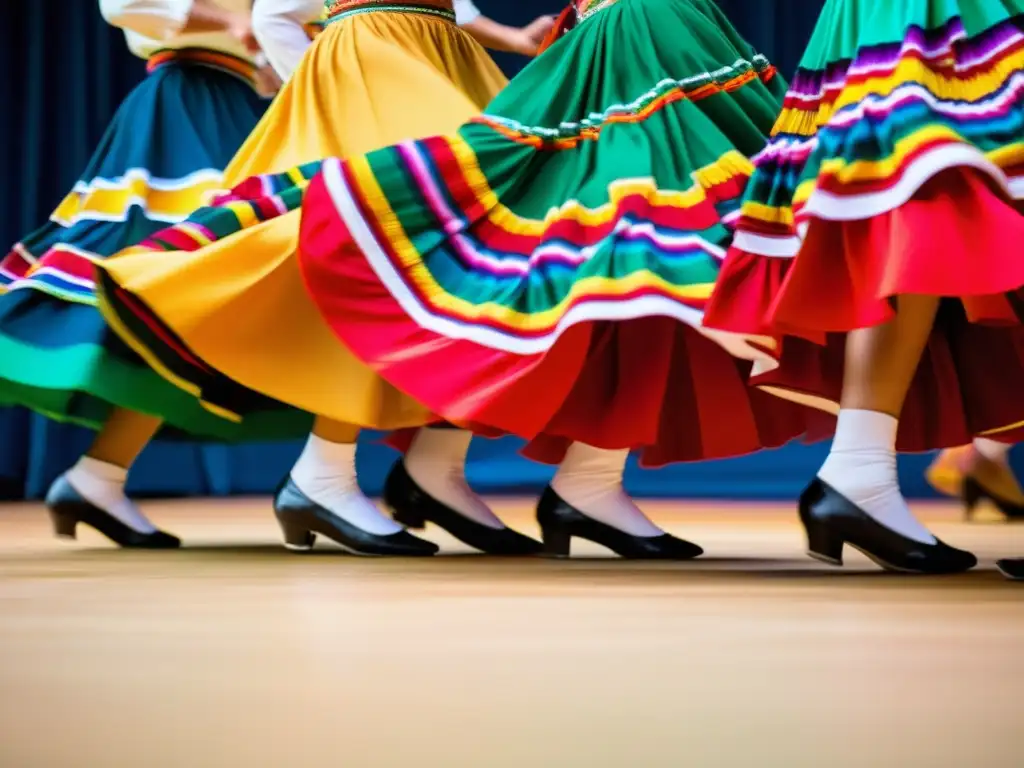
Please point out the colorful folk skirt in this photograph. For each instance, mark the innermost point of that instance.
(217, 304)
(162, 155)
(896, 167)
(543, 271)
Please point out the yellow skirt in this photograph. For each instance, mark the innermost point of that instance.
(239, 304)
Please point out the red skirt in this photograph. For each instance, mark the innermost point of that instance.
(959, 237)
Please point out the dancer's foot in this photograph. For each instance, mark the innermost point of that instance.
(92, 492)
(832, 520)
(861, 467)
(856, 500)
(302, 518)
(560, 522)
(586, 500)
(413, 506)
(323, 496)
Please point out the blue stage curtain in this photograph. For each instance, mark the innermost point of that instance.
(73, 70)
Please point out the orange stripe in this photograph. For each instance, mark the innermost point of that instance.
(590, 134)
(219, 59)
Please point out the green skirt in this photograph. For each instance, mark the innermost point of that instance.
(544, 271)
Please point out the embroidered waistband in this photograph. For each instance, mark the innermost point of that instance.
(334, 10)
(216, 59)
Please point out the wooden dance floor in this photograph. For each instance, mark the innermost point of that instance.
(236, 653)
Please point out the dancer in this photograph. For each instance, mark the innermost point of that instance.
(893, 178)
(163, 151)
(976, 472)
(378, 72)
(518, 279)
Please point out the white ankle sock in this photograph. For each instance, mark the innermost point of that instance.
(326, 473)
(591, 480)
(992, 450)
(862, 467)
(102, 484)
(437, 462)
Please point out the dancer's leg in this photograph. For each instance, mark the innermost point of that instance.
(880, 364)
(326, 473)
(100, 475)
(590, 479)
(586, 500)
(436, 462)
(123, 437)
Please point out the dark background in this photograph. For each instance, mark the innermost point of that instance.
(66, 72)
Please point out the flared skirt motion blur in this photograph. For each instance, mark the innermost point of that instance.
(543, 271)
(896, 168)
(218, 304)
(162, 155)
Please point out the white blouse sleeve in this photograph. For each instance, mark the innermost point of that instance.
(155, 19)
(466, 12)
(280, 29)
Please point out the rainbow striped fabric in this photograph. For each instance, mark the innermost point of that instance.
(256, 199)
(572, 197)
(887, 96)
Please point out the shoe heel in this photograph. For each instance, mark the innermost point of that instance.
(557, 542)
(409, 518)
(296, 537)
(972, 494)
(64, 525)
(824, 545)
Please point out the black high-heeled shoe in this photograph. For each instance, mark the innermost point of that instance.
(414, 508)
(560, 521)
(301, 519)
(1012, 568)
(68, 508)
(973, 493)
(832, 521)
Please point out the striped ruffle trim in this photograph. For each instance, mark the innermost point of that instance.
(946, 49)
(158, 199)
(68, 272)
(65, 272)
(257, 199)
(928, 116)
(501, 246)
(63, 269)
(665, 92)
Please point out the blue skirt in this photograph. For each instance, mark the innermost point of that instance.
(161, 158)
